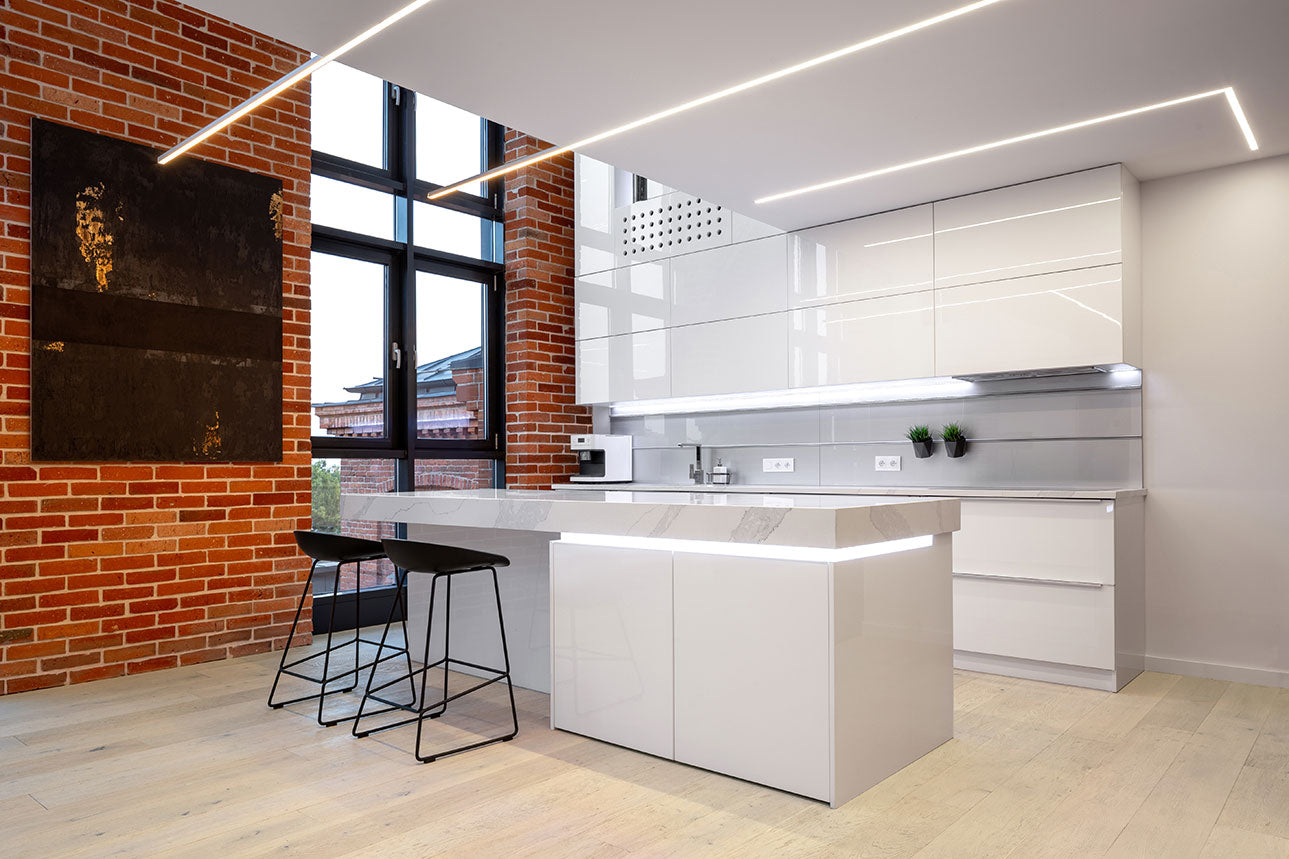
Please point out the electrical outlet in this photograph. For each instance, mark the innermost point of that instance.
(886, 463)
(778, 466)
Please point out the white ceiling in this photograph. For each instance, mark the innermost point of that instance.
(565, 69)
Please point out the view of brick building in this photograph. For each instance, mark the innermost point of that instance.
(449, 405)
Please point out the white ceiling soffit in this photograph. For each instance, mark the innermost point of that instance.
(568, 69)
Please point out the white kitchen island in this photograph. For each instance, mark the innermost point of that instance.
(802, 642)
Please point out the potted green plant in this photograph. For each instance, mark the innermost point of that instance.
(955, 440)
(923, 444)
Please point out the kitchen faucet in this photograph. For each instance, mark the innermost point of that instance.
(696, 472)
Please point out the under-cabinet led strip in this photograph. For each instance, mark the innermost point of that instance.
(752, 550)
(1228, 92)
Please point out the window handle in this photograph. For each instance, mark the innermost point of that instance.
(396, 352)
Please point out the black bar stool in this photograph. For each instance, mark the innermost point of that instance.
(340, 550)
(443, 562)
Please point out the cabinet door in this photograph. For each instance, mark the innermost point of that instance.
(736, 280)
(887, 254)
(752, 670)
(624, 367)
(863, 341)
(1057, 224)
(1066, 319)
(622, 301)
(729, 357)
(612, 645)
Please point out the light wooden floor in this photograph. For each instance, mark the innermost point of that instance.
(189, 762)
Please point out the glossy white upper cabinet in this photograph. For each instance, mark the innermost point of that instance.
(863, 341)
(1065, 319)
(593, 226)
(884, 254)
(624, 367)
(1058, 224)
(736, 280)
(731, 356)
(622, 301)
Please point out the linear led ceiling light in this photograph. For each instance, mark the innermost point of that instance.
(288, 81)
(1229, 92)
(715, 96)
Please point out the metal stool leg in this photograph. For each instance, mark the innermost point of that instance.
(505, 655)
(299, 609)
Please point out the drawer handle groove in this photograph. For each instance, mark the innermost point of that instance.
(996, 578)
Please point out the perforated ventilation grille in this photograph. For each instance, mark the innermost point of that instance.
(669, 225)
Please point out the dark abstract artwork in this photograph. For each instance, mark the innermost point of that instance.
(156, 305)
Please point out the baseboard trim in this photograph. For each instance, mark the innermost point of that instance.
(1217, 671)
(1031, 669)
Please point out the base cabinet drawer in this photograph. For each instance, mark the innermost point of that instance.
(612, 645)
(1061, 623)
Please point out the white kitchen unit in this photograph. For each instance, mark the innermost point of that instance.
(1048, 584)
(1051, 589)
(802, 642)
(1040, 275)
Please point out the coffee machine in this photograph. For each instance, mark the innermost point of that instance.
(602, 458)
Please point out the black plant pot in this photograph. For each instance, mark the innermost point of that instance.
(923, 449)
(956, 448)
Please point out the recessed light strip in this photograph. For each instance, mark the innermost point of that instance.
(715, 96)
(752, 550)
(287, 82)
(822, 395)
(1228, 92)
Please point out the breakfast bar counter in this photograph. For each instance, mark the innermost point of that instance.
(801, 642)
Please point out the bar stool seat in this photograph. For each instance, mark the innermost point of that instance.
(340, 550)
(441, 562)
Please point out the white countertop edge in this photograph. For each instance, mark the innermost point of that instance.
(904, 491)
(771, 520)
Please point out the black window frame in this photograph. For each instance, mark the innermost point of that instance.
(403, 260)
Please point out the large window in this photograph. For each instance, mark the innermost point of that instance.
(405, 321)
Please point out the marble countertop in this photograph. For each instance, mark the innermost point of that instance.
(778, 519)
(876, 491)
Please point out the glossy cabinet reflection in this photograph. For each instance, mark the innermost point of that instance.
(624, 367)
(738, 623)
(731, 356)
(622, 301)
(863, 341)
(612, 645)
(886, 254)
(1058, 224)
(1038, 276)
(1064, 319)
(743, 279)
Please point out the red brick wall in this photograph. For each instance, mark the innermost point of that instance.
(540, 384)
(109, 569)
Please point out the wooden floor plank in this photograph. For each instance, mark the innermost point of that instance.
(192, 763)
(1180, 811)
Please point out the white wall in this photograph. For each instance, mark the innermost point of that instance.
(1216, 421)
